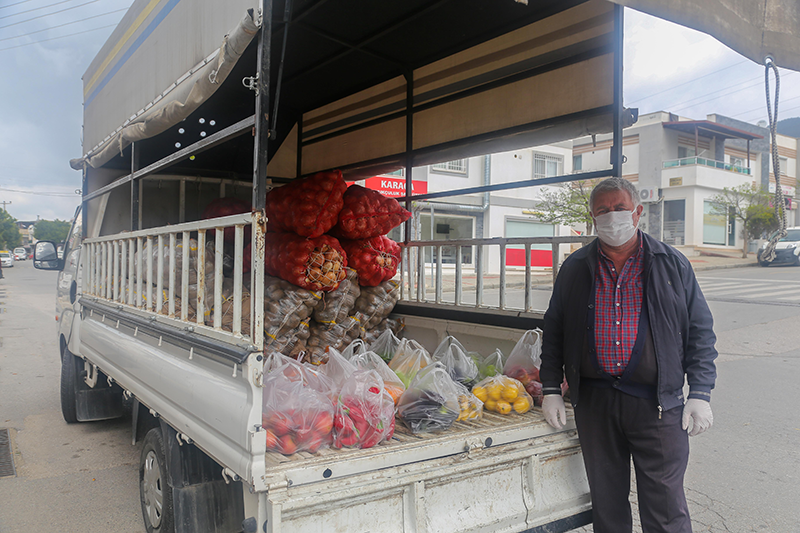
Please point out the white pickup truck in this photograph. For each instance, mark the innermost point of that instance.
(174, 119)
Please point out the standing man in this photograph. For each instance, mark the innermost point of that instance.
(627, 323)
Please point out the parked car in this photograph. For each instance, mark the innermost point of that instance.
(6, 258)
(20, 254)
(787, 251)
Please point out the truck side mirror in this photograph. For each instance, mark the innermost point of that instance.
(45, 256)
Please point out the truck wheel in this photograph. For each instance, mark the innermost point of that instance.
(154, 491)
(69, 376)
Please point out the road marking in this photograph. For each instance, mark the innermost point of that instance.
(739, 290)
(787, 282)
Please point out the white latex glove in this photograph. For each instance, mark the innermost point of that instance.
(554, 410)
(699, 412)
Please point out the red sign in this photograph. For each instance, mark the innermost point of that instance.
(394, 186)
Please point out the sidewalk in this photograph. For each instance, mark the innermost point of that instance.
(543, 279)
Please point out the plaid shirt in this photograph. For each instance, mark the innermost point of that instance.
(618, 303)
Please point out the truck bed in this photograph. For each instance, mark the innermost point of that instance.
(503, 473)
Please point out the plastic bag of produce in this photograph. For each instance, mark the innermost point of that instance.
(376, 303)
(336, 336)
(223, 207)
(274, 361)
(470, 407)
(431, 401)
(491, 365)
(286, 306)
(337, 368)
(316, 264)
(385, 345)
(308, 206)
(409, 358)
(503, 395)
(524, 361)
(367, 213)
(372, 361)
(356, 347)
(459, 365)
(337, 304)
(376, 260)
(295, 416)
(364, 412)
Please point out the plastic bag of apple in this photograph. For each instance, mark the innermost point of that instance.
(296, 416)
(364, 412)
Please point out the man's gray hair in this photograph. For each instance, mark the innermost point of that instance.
(615, 184)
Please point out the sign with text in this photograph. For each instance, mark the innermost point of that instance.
(394, 186)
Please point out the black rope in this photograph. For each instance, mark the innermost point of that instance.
(768, 254)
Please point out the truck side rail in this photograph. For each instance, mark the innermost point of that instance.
(418, 275)
(152, 281)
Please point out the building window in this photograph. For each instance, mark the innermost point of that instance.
(686, 151)
(547, 165)
(399, 172)
(577, 162)
(457, 166)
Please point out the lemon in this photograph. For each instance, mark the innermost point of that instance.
(510, 393)
(503, 408)
(495, 391)
(480, 393)
(522, 405)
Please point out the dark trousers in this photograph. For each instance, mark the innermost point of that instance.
(612, 428)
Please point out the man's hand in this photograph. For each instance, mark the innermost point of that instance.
(554, 410)
(699, 411)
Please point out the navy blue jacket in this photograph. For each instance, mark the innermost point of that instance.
(680, 323)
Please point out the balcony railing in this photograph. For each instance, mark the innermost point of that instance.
(706, 163)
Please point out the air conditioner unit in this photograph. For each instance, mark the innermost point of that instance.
(648, 195)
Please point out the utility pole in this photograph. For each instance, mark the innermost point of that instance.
(4, 206)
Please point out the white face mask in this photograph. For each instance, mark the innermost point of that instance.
(615, 228)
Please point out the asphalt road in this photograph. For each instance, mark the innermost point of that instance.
(76, 477)
(744, 473)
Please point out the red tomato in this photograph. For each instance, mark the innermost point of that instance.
(323, 423)
(286, 445)
(272, 440)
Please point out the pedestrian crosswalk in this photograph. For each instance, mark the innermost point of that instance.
(741, 289)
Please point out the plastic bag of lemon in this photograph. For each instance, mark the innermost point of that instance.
(470, 407)
(503, 395)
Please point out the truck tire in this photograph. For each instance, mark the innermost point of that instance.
(155, 493)
(69, 376)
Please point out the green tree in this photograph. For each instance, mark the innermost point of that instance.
(568, 204)
(51, 230)
(749, 204)
(9, 233)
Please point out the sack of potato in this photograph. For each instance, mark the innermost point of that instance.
(316, 264)
(286, 306)
(376, 303)
(338, 304)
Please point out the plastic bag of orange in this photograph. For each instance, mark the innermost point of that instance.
(307, 206)
(372, 361)
(503, 395)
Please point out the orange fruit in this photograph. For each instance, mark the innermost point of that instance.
(503, 408)
(522, 405)
(491, 405)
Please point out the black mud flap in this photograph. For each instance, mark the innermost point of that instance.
(202, 500)
(102, 402)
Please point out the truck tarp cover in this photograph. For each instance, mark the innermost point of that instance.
(164, 59)
(754, 29)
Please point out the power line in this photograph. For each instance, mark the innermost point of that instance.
(762, 108)
(55, 38)
(12, 5)
(41, 193)
(722, 95)
(48, 14)
(687, 82)
(65, 24)
(34, 9)
(698, 97)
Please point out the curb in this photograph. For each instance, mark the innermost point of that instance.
(719, 267)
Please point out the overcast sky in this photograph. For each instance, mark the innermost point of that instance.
(46, 45)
